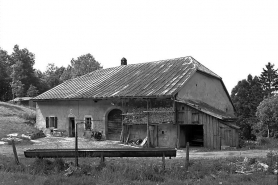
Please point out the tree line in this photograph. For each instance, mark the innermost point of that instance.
(256, 103)
(19, 78)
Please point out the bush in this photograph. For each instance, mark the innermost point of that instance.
(263, 141)
(29, 116)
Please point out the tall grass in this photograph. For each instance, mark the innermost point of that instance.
(132, 171)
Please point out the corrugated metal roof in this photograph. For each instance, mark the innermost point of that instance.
(160, 78)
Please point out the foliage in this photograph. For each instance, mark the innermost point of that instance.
(267, 113)
(246, 96)
(269, 79)
(52, 75)
(17, 88)
(19, 78)
(5, 89)
(32, 91)
(29, 116)
(66, 74)
(263, 141)
(84, 64)
(22, 62)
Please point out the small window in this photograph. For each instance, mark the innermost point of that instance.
(88, 123)
(51, 122)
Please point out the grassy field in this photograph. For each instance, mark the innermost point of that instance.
(128, 171)
(16, 119)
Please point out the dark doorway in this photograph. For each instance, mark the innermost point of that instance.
(194, 134)
(71, 127)
(114, 126)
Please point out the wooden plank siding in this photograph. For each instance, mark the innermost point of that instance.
(216, 133)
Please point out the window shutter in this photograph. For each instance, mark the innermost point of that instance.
(55, 122)
(47, 122)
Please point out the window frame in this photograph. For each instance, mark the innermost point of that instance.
(48, 122)
(85, 119)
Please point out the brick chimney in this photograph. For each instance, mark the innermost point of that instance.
(123, 62)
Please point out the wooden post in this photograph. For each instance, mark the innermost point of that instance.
(76, 146)
(102, 159)
(163, 161)
(148, 135)
(15, 153)
(187, 157)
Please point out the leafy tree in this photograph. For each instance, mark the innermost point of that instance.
(32, 91)
(22, 62)
(246, 96)
(5, 80)
(269, 79)
(52, 75)
(267, 113)
(83, 65)
(41, 84)
(17, 88)
(66, 74)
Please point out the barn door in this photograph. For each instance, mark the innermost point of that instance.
(226, 137)
(114, 124)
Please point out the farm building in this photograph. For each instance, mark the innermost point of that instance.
(171, 101)
(25, 101)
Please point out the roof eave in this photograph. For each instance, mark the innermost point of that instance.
(103, 98)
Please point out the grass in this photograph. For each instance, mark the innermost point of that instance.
(15, 119)
(128, 171)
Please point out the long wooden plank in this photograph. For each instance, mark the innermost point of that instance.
(103, 152)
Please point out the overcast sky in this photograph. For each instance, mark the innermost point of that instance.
(232, 38)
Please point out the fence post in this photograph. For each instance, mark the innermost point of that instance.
(187, 157)
(163, 161)
(15, 153)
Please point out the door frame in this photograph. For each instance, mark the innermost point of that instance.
(105, 117)
(70, 126)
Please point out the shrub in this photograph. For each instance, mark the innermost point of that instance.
(29, 116)
(263, 140)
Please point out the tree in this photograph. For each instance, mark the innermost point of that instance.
(246, 96)
(22, 62)
(269, 79)
(17, 88)
(83, 65)
(41, 84)
(267, 113)
(52, 75)
(66, 74)
(5, 80)
(32, 91)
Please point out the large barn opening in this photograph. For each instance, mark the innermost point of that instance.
(114, 124)
(194, 134)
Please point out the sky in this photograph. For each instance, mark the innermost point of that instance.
(232, 38)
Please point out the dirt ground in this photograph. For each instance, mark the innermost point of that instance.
(66, 142)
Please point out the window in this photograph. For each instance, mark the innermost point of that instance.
(51, 121)
(88, 123)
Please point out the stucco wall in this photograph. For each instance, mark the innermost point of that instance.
(167, 135)
(206, 89)
(78, 109)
